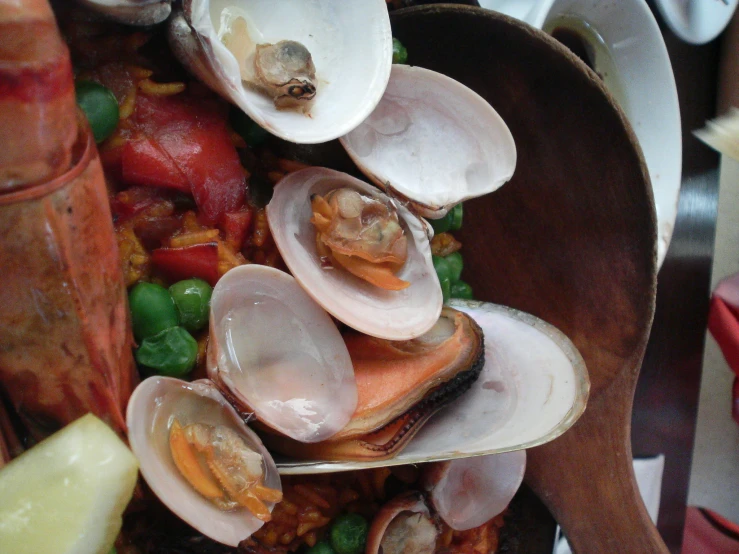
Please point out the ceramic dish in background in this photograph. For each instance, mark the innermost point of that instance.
(697, 21)
(623, 44)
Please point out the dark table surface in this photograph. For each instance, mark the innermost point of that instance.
(666, 401)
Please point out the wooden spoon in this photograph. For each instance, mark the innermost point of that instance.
(570, 239)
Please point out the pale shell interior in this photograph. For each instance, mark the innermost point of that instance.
(533, 387)
(433, 140)
(393, 315)
(154, 405)
(279, 354)
(474, 490)
(133, 12)
(351, 45)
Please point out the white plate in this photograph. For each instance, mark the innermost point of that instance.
(638, 72)
(697, 21)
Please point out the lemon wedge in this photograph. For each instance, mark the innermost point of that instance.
(66, 495)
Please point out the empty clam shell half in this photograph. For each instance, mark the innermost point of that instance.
(276, 353)
(132, 12)
(154, 406)
(432, 141)
(533, 387)
(468, 492)
(393, 315)
(350, 43)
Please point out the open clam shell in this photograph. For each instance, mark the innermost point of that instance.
(432, 142)
(152, 409)
(533, 387)
(350, 43)
(400, 385)
(273, 351)
(393, 315)
(132, 12)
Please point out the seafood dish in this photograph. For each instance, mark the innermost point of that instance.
(287, 349)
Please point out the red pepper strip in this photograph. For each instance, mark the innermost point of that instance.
(234, 226)
(192, 134)
(199, 260)
(144, 162)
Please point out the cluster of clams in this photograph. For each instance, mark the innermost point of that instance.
(310, 72)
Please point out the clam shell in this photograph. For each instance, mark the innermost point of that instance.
(533, 387)
(400, 385)
(132, 12)
(470, 491)
(421, 538)
(152, 408)
(350, 43)
(433, 142)
(393, 315)
(275, 352)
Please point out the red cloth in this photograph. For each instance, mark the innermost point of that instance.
(706, 532)
(723, 323)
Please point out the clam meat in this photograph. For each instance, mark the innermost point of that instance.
(275, 353)
(361, 234)
(432, 142)
(283, 61)
(283, 71)
(403, 526)
(362, 256)
(200, 459)
(400, 385)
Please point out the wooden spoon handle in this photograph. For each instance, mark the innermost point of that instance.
(586, 478)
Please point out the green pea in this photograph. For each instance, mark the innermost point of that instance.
(349, 534)
(446, 289)
(455, 219)
(440, 225)
(192, 299)
(152, 310)
(443, 271)
(113, 550)
(321, 548)
(251, 132)
(100, 107)
(460, 289)
(172, 352)
(454, 261)
(400, 53)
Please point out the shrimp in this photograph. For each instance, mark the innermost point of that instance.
(65, 340)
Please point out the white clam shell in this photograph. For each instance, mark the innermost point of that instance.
(278, 354)
(350, 42)
(155, 403)
(132, 12)
(393, 315)
(470, 491)
(434, 141)
(533, 387)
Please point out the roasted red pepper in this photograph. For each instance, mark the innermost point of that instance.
(143, 162)
(199, 260)
(182, 142)
(135, 200)
(234, 226)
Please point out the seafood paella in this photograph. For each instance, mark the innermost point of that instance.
(289, 351)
